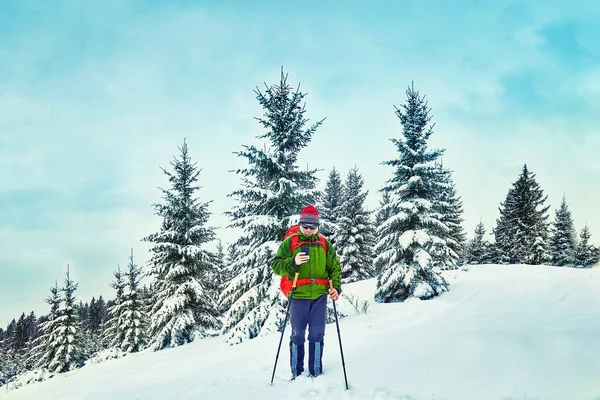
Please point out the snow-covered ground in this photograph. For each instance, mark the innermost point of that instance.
(502, 332)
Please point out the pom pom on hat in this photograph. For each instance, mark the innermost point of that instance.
(309, 215)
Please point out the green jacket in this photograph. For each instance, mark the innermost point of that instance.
(319, 266)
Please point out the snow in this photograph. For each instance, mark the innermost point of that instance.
(501, 332)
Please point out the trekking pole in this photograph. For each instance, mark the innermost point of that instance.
(339, 336)
(284, 323)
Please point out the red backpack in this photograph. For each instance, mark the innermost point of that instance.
(286, 283)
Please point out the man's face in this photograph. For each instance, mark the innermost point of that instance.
(309, 229)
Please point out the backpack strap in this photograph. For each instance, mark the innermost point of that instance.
(295, 243)
(323, 242)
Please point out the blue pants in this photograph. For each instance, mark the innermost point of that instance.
(312, 313)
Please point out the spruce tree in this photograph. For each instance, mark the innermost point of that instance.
(113, 336)
(12, 364)
(449, 207)
(330, 209)
(132, 327)
(586, 254)
(407, 236)
(355, 234)
(478, 250)
(32, 332)
(62, 349)
(220, 277)
(522, 231)
(43, 351)
(384, 211)
(183, 308)
(503, 232)
(21, 337)
(274, 192)
(562, 241)
(3, 359)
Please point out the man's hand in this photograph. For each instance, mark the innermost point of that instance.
(333, 294)
(300, 258)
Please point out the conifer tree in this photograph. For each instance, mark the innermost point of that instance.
(562, 241)
(504, 230)
(274, 192)
(20, 338)
(478, 250)
(384, 211)
(220, 271)
(112, 333)
(449, 207)
(407, 236)
(586, 254)
(183, 308)
(355, 234)
(43, 350)
(521, 230)
(61, 346)
(330, 209)
(131, 336)
(32, 333)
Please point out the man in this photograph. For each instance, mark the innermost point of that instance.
(309, 303)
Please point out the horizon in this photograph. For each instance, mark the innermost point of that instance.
(96, 99)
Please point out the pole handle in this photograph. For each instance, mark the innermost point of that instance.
(295, 280)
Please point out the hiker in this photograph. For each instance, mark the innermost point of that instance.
(309, 301)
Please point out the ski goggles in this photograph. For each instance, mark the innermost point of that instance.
(309, 226)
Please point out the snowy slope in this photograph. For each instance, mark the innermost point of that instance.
(502, 332)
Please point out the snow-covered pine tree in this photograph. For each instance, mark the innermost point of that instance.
(355, 234)
(220, 268)
(43, 351)
(405, 238)
(478, 250)
(4, 367)
(18, 343)
(12, 363)
(112, 334)
(64, 351)
(20, 338)
(522, 231)
(586, 254)
(503, 230)
(562, 240)
(32, 333)
(182, 307)
(330, 206)
(92, 320)
(450, 209)
(274, 192)
(230, 271)
(384, 211)
(133, 319)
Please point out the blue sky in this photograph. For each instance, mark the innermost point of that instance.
(96, 96)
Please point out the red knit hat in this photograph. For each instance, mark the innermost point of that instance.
(309, 215)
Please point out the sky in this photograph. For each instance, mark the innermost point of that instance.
(96, 97)
(501, 333)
